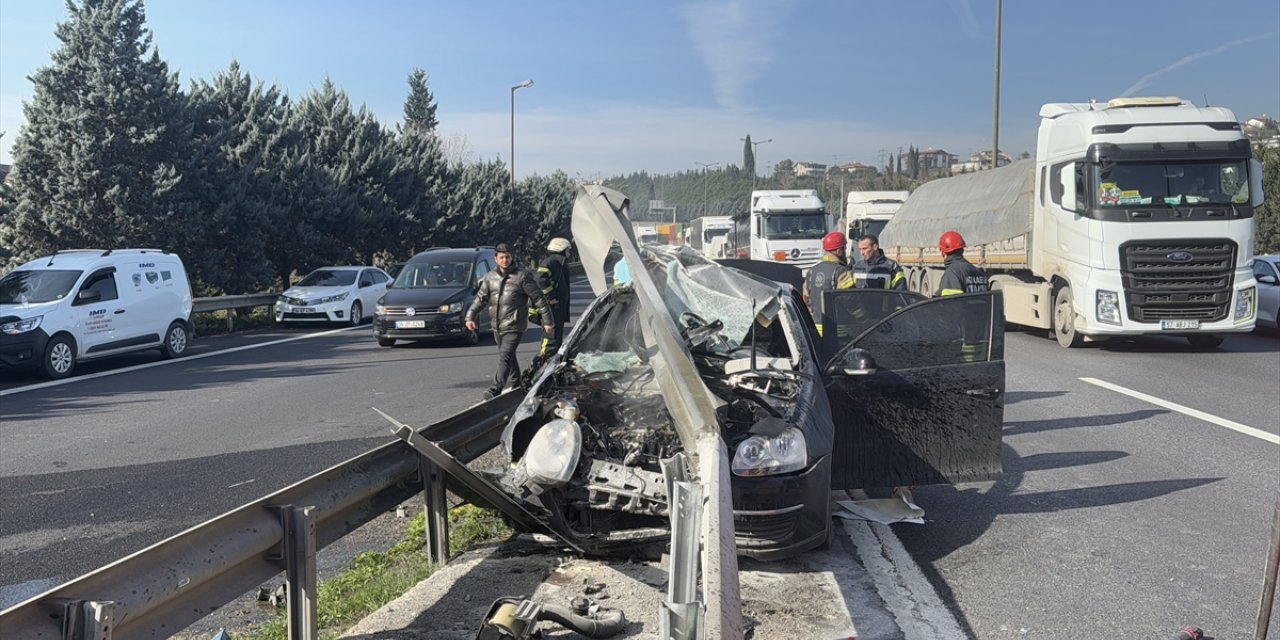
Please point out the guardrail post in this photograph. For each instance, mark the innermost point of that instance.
(299, 547)
(437, 511)
(682, 613)
(231, 320)
(83, 619)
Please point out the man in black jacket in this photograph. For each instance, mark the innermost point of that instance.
(511, 292)
(874, 270)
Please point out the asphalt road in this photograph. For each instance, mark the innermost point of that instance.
(1117, 517)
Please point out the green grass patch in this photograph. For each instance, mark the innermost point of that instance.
(375, 578)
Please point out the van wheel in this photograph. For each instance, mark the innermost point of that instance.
(357, 314)
(175, 340)
(386, 342)
(59, 358)
(1064, 319)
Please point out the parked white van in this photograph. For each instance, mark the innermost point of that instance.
(90, 303)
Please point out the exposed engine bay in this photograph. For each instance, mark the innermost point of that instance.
(590, 442)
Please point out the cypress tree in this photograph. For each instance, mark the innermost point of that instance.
(98, 162)
(748, 157)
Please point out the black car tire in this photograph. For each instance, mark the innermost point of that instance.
(470, 338)
(386, 342)
(59, 358)
(175, 340)
(357, 314)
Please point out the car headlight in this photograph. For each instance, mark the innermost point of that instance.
(20, 326)
(452, 307)
(553, 453)
(334, 298)
(380, 309)
(763, 456)
(1108, 307)
(1244, 304)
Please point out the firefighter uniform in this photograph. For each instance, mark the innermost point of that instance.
(829, 274)
(961, 277)
(879, 272)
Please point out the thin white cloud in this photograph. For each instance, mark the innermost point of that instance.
(736, 41)
(1185, 60)
(968, 21)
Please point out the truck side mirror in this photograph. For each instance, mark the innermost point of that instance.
(1255, 183)
(1067, 178)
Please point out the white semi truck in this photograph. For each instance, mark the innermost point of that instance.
(703, 231)
(1135, 217)
(867, 212)
(782, 226)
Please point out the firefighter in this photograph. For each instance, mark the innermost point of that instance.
(831, 273)
(960, 275)
(553, 279)
(875, 271)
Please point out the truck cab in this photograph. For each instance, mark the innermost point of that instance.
(786, 226)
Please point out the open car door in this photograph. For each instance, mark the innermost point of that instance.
(918, 397)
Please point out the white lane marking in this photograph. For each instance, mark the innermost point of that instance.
(139, 367)
(907, 594)
(1221, 422)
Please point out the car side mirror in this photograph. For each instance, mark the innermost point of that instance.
(88, 295)
(1267, 279)
(858, 362)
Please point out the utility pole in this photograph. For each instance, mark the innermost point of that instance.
(995, 125)
(705, 166)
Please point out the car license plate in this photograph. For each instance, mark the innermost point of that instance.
(1166, 325)
(304, 310)
(411, 324)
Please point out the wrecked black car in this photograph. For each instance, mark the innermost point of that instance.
(902, 391)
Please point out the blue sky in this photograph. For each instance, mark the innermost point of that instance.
(662, 86)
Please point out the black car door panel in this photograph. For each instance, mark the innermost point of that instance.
(918, 398)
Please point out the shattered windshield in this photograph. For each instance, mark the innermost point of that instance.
(1181, 183)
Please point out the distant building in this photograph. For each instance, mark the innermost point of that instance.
(858, 170)
(979, 161)
(809, 169)
(936, 162)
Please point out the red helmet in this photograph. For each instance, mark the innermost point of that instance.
(949, 242)
(833, 241)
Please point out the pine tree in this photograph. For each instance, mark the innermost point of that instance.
(419, 107)
(98, 162)
(239, 128)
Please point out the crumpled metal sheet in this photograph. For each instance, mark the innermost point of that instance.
(986, 207)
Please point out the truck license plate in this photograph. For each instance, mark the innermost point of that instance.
(1166, 325)
(411, 324)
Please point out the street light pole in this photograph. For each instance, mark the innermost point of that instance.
(995, 126)
(523, 85)
(704, 166)
(755, 155)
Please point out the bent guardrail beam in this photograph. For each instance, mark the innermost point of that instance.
(164, 588)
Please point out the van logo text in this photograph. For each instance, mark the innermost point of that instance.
(97, 312)
(147, 265)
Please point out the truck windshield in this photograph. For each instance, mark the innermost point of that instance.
(1127, 184)
(862, 228)
(30, 287)
(795, 226)
(710, 234)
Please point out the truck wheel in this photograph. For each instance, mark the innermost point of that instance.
(1205, 341)
(59, 358)
(175, 340)
(1064, 319)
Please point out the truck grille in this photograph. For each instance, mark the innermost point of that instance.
(1183, 279)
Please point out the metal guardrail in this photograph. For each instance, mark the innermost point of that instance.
(231, 303)
(166, 587)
